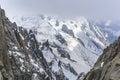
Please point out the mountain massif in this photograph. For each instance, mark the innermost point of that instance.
(77, 43)
(45, 48)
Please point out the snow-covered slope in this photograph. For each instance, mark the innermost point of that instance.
(110, 28)
(74, 45)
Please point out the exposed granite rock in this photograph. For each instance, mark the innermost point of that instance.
(107, 66)
(66, 30)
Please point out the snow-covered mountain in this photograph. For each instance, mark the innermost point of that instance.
(111, 28)
(70, 46)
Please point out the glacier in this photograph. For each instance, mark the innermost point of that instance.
(75, 43)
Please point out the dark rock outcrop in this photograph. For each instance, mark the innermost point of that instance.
(107, 66)
(66, 30)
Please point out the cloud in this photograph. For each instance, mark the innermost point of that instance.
(108, 23)
(118, 33)
(93, 9)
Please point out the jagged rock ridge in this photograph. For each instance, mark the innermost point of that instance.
(107, 66)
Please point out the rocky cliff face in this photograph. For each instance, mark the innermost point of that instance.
(107, 66)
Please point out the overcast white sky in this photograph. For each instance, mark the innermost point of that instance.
(93, 9)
